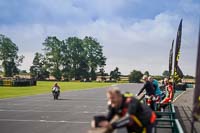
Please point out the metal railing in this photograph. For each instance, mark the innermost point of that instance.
(168, 120)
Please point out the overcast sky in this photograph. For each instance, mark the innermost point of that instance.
(135, 34)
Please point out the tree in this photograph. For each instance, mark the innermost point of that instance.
(135, 76)
(9, 57)
(115, 74)
(158, 77)
(73, 57)
(146, 73)
(94, 54)
(102, 73)
(166, 74)
(1, 68)
(77, 57)
(39, 68)
(23, 72)
(66, 61)
(53, 56)
(83, 57)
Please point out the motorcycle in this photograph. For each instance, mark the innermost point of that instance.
(56, 93)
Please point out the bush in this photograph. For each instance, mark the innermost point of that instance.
(158, 77)
(135, 76)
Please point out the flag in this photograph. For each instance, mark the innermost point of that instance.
(171, 59)
(196, 101)
(178, 74)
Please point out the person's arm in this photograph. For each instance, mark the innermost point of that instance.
(104, 121)
(142, 89)
(123, 122)
(166, 95)
(110, 114)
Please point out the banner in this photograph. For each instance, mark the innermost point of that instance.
(178, 74)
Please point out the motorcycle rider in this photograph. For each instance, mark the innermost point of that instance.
(56, 88)
(133, 115)
(150, 90)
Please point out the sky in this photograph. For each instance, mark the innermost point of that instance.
(135, 34)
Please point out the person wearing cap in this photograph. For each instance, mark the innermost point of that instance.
(132, 114)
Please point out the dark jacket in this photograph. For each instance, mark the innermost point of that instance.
(131, 109)
(148, 86)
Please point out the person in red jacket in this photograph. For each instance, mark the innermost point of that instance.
(169, 92)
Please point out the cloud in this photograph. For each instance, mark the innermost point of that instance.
(132, 39)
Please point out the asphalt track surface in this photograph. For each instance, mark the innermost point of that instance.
(41, 114)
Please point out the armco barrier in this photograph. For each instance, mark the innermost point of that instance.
(7, 82)
(190, 85)
(24, 83)
(19, 83)
(168, 120)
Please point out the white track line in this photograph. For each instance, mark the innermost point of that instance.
(41, 111)
(45, 121)
(178, 96)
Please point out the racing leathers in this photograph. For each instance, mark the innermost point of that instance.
(134, 115)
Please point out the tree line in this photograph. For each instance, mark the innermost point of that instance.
(71, 58)
(135, 76)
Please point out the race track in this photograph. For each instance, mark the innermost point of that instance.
(41, 114)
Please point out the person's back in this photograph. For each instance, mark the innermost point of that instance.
(157, 88)
(56, 87)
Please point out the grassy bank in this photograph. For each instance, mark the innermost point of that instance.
(45, 87)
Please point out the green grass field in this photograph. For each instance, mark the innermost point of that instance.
(45, 87)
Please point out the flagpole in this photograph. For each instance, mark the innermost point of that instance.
(171, 60)
(196, 110)
(174, 70)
